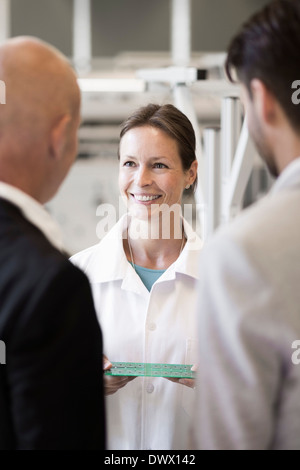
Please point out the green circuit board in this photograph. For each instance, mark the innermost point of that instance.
(151, 370)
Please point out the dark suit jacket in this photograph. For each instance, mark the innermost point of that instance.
(51, 387)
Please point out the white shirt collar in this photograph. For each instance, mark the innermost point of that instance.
(34, 212)
(110, 253)
(289, 177)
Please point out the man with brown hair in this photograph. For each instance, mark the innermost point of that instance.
(249, 299)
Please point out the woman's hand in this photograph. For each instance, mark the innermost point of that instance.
(187, 382)
(112, 383)
(191, 383)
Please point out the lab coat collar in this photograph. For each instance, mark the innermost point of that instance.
(109, 253)
(34, 212)
(187, 263)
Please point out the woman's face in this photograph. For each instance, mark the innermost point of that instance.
(151, 172)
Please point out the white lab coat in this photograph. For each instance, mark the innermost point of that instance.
(150, 327)
(248, 318)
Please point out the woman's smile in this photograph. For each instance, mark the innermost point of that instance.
(145, 198)
(151, 171)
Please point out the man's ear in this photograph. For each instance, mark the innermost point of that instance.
(59, 136)
(264, 101)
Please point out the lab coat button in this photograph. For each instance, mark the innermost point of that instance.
(150, 388)
(151, 326)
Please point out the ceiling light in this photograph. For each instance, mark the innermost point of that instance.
(121, 85)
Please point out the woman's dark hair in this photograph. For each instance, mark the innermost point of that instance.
(268, 48)
(171, 121)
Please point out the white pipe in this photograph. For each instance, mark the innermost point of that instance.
(183, 101)
(2, 92)
(211, 137)
(4, 20)
(82, 41)
(231, 124)
(181, 32)
(240, 174)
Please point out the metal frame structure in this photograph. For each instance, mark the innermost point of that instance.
(227, 156)
(229, 160)
(82, 37)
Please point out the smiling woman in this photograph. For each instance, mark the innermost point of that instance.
(152, 180)
(151, 171)
(157, 162)
(144, 280)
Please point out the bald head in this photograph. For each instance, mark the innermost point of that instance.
(41, 90)
(38, 79)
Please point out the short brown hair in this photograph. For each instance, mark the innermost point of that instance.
(268, 48)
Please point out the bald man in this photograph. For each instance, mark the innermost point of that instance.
(51, 389)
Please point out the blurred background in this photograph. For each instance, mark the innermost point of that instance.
(124, 52)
